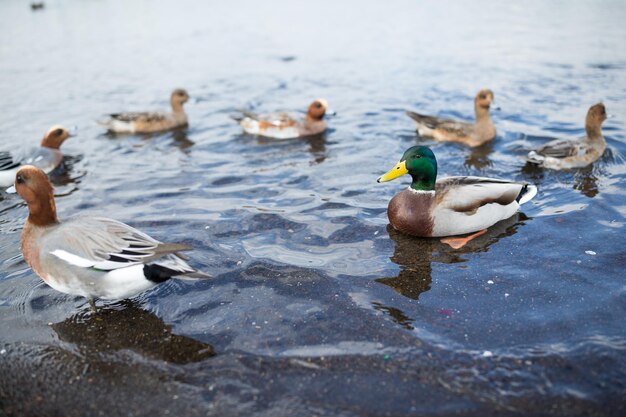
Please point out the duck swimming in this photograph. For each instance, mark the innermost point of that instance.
(450, 206)
(566, 154)
(150, 122)
(47, 157)
(447, 130)
(285, 126)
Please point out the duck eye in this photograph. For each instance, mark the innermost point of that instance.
(19, 179)
(58, 132)
(418, 156)
(482, 96)
(318, 105)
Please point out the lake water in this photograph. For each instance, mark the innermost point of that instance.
(318, 308)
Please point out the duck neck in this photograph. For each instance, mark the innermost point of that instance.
(423, 182)
(46, 142)
(177, 107)
(42, 212)
(594, 130)
(482, 114)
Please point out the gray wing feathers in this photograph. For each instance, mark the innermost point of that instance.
(7, 161)
(468, 194)
(428, 121)
(107, 244)
(451, 126)
(135, 116)
(555, 149)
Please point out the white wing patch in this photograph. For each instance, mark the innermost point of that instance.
(105, 265)
(72, 259)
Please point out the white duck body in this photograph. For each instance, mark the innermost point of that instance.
(99, 257)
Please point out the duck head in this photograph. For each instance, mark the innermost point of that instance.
(178, 98)
(483, 101)
(317, 110)
(32, 184)
(420, 163)
(593, 122)
(596, 115)
(55, 137)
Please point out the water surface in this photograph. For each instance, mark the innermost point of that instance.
(318, 307)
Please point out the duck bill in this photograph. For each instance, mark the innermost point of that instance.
(73, 131)
(395, 172)
(11, 190)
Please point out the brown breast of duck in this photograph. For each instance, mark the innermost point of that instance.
(410, 212)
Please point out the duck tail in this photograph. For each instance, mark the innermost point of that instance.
(242, 114)
(415, 116)
(422, 120)
(535, 158)
(526, 194)
(159, 273)
(238, 117)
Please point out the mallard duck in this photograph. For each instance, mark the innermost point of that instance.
(150, 122)
(564, 154)
(450, 206)
(93, 257)
(47, 156)
(471, 134)
(284, 126)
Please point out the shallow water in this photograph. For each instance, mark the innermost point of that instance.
(318, 308)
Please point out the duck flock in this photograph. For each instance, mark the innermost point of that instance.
(101, 258)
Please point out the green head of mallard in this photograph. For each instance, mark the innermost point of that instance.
(420, 163)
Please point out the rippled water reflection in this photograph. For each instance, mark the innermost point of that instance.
(318, 308)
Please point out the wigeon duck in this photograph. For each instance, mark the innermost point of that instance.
(47, 157)
(93, 257)
(471, 134)
(564, 154)
(450, 206)
(284, 126)
(149, 122)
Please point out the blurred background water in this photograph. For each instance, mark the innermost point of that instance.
(318, 308)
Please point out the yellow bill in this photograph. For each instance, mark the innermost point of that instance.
(397, 171)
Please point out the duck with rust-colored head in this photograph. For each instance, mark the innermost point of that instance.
(284, 126)
(93, 257)
(450, 206)
(150, 122)
(47, 156)
(447, 130)
(578, 153)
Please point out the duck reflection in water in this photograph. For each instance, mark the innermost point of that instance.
(179, 137)
(317, 144)
(414, 256)
(181, 140)
(126, 326)
(478, 158)
(317, 147)
(584, 179)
